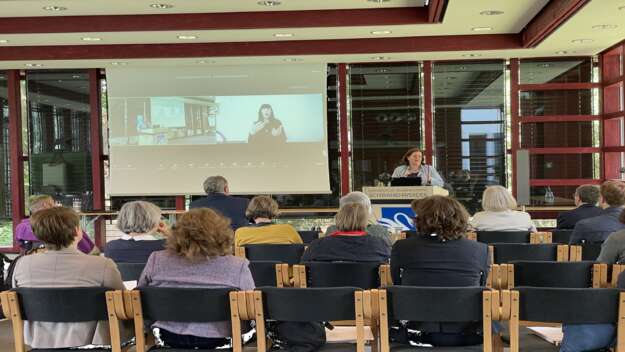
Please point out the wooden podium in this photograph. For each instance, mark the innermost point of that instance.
(391, 205)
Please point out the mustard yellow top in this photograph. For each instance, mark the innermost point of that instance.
(266, 234)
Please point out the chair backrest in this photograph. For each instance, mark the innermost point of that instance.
(264, 272)
(591, 251)
(70, 304)
(308, 236)
(561, 236)
(507, 252)
(284, 253)
(130, 271)
(503, 236)
(553, 274)
(410, 233)
(362, 275)
(185, 304)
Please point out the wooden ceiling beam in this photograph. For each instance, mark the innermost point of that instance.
(547, 21)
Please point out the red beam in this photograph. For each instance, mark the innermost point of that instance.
(97, 169)
(180, 203)
(270, 48)
(514, 117)
(559, 118)
(343, 126)
(15, 153)
(436, 10)
(564, 182)
(427, 107)
(614, 149)
(564, 150)
(547, 21)
(216, 21)
(558, 86)
(612, 115)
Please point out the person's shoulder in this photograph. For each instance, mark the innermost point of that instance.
(233, 261)
(617, 235)
(521, 214)
(199, 203)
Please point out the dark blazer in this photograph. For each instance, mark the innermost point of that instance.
(365, 248)
(131, 251)
(229, 206)
(598, 228)
(568, 219)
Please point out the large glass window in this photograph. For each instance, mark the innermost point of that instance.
(6, 225)
(59, 136)
(469, 111)
(384, 108)
(614, 113)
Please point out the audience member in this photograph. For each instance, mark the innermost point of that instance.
(263, 209)
(63, 265)
(140, 222)
(198, 254)
(350, 242)
(598, 228)
(25, 236)
(586, 198)
(613, 249)
(500, 213)
(373, 228)
(218, 198)
(441, 256)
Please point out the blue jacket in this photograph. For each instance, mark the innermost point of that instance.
(229, 206)
(598, 228)
(568, 219)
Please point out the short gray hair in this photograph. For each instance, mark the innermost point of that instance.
(215, 184)
(138, 217)
(358, 198)
(588, 194)
(498, 198)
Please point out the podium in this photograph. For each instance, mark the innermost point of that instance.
(391, 205)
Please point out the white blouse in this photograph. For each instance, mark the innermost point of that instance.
(508, 220)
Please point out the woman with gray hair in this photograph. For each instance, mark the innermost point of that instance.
(500, 213)
(373, 228)
(140, 222)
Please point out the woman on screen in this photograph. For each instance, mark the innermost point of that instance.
(267, 129)
(413, 165)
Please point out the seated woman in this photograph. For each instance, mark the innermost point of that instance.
(373, 228)
(441, 256)
(63, 265)
(262, 210)
(140, 222)
(500, 213)
(198, 254)
(350, 242)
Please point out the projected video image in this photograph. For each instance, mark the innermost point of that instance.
(253, 119)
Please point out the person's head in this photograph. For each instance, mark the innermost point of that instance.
(265, 112)
(413, 157)
(356, 197)
(498, 198)
(262, 207)
(201, 234)
(139, 217)
(40, 202)
(588, 194)
(216, 184)
(441, 217)
(352, 217)
(612, 194)
(57, 227)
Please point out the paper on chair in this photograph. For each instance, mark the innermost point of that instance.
(130, 285)
(549, 334)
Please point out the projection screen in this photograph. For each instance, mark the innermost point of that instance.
(262, 127)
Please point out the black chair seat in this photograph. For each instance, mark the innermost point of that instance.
(530, 342)
(337, 347)
(407, 348)
(70, 350)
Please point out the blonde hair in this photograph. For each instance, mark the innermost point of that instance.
(352, 217)
(39, 201)
(200, 234)
(262, 207)
(498, 198)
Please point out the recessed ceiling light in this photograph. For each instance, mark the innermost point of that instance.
(75, 76)
(582, 41)
(269, 3)
(161, 6)
(605, 26)
(91, 39)
(491, 13)
(292, 59)
(119, 63)
(33, 65)
(54, 8)
(378, 1)
(561, 52)
(471, 55)
(380, 58)
(462, 68)
(3, 41)
(187, 37)
(283, 35)
(381, 32)
(481, 29)
(205, 62)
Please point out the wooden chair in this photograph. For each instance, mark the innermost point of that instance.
(130, 271)
(564, 305)
(438, 304)
(340, 274)
(490, 237)
(616, 270)
(551, 274)
(61, 305)
(585, 251)
(310, 305)
(269, 273)
(202, 305)
(308, 236)
(284, 253)
(502, 253)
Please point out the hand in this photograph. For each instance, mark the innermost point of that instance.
(258, 126)
(276, 131)
(163, 229)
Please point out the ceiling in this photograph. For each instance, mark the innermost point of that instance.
(411, 39)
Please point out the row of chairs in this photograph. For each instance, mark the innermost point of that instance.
(377, 307)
